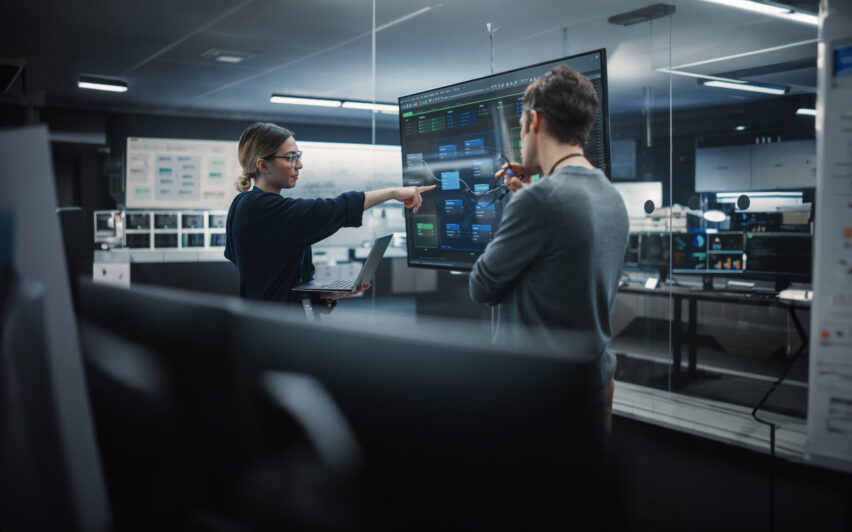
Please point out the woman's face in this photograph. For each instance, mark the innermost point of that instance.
(285, 172)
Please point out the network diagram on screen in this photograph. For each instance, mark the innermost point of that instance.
(456, 138)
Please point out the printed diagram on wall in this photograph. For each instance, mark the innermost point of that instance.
(180, 173)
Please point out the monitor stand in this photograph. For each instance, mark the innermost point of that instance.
(782, 283)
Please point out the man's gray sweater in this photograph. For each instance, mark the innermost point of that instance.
(556, 261)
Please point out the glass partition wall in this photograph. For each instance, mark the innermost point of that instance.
(744, 176)
(471, 41)
(718, 181)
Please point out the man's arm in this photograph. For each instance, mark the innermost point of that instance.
(516, 245)
(515, 176)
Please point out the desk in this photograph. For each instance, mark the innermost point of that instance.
(693, 295)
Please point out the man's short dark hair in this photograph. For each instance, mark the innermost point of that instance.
(568, 101)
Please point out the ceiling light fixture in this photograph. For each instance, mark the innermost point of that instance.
(740, 128)
(406, 17)
(757, 7)
(644, 14)
(378, 107)
(746, 86)
(298, 100)
(715, 215)
(770, 9)
(732, 197)
(224, 56)
(693, 74)
(101, 84)
(807, 18)
(805, 111)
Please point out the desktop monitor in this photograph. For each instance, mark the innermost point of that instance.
(170, 417)
(454, 137)
(779, 255)
(138, 220)
(192, 221)
(689, 252)
(631, 254)
(707, 253)
(654, 250)
(756, 222)
(165, 221)
(749, 255)
(439, 424)
(450, 427)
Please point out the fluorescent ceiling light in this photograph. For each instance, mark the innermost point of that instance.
(805, 111)
(296, 100)
(769, 9)
(101, 84)
(406, 17)
(747, 54)
(803, 17)
(744, 86)
(378, 107)
(757, 7)
(740, 128)
(731, 197)
(225, 58)
(714, 215)
(693, 74)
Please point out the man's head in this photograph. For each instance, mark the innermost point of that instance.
(563, 102)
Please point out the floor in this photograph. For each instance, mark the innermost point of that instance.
(743, 380)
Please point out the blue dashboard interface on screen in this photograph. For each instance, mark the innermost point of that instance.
(454, 136)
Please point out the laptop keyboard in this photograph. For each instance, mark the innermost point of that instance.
(339, 285)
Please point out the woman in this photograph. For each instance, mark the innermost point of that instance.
(269, 237)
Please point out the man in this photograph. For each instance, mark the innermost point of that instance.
(556, 260)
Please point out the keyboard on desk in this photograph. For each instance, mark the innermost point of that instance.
(759, 295)
(744, 294)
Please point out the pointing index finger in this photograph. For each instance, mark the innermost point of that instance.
(424, 189)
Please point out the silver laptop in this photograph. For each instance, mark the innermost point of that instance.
(365, 276)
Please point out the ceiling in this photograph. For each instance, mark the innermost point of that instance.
(324, 48)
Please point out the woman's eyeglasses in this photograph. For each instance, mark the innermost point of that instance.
(292, 158)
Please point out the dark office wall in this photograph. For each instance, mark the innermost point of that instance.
(88, 150)
(86, 170)
(121, 126)
(677, 481)
(13, 115)
(210, 277)
(703, 127)
(774, 118)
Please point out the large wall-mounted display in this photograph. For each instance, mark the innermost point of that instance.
(200, 174)
(455, 137)
(180, 173)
